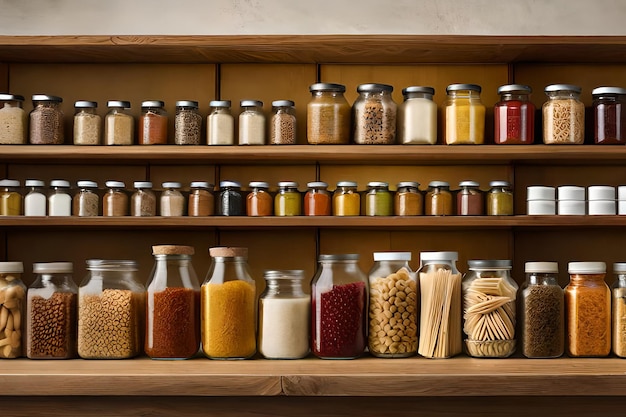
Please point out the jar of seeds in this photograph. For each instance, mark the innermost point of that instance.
(328, 115)
(283, 123)
(374, 114)
(188, 123)
(46, 120)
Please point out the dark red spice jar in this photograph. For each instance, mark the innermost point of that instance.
(469, 199)
(514, 116)
(609, 115)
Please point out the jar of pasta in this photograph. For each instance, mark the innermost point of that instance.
(514, 116)
(10, 198)
(438, 201)
(220, 129)
(464, 121)
(143, 200)
(346, 199)
(328, 115)
(259, 201)
(374, 115)
(201, 200)
(619, 309)
(563, 115)
(251, 123)
(378, 199)
(500, 199)
(408, 200)
(288, 201)
(119, 124)
(283, 123)
(172, 203)
(188, 123)
(153, 123)
(417, 117)
(13, 120)
(469, 199)
(46, 120)
(609, 115)
(13, 307)
(87, 123)
(317, 199)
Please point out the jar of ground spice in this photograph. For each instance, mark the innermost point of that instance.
(346, 199)
(35, 198)
(251, 123)
(563, 115)
(464, 115)
(283, 123)
(220, 124)
(86, 202)
(46, 120)
(438, 200)
(173, 305)
(328, 115)
(115, 200)
(378, 199)
(259, 201)
(230, 200)
(87, 123)
(514, 116)
(52, 312)
(417, 117)
(201, 201)
(500, 199)
(618, 290)
(153, 123)
(609, 115)
(469, 199)
(13, 120)
(172, 203)
(408, 199)
(12, 309)
(143, 200)
(317, 199)
(374, 115)
(288, 201)
(119, 124)
(10, 198)
(188, 123)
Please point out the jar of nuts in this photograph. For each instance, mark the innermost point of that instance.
(12, 309)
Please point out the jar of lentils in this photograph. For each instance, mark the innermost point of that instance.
(283, 123)
(187, 124)
(46, 120)
(374, 115)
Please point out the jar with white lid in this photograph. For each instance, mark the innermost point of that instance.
(540, 200)
(35, 199)
(288, 200)
(87, 123)
(251, 123)
(115, 200)
(46, 120)
(220, 127)
(374, 115)
(618, 304)
(201, 200)
(346, 199)
(563, 115)
(143, 200)
(283, 123)
(230, 200)
(187, 123)
(172, 203)
(59, 199)
(601, 200)
(10, 198)
(438, 199)
(464, 115)
(571, 200)
(408, 200)
(119, 124)
(153, 123)
(417, 116)
(86, 202)
(13, 120)
(13, 307)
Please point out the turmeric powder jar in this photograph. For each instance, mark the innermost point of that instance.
(317, 199)
(288, 201)
(500, 199)
(438, 201)
(259, 202)
(408, 200)
(464, 120)
(346, 199)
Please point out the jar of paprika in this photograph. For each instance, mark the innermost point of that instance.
(153, 123)
(259, 201)
(317, 199)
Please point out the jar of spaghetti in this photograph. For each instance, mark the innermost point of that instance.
(619, 309)
(283, 123)
(438, 201)
(317, 199)
(172, 203)
(378, 199)
(201, 201)
(514, 116)
(259, 201)
(13, 120)
(464, 121)
(500, 199)
(346, 199)
(230, 200)
(119, 124)
(10, 198)
(220, 129)
(563, 115)
(417, 117)
(87, 123)
(469, 199)
(288, 201)
(188, 123)
(408, 200)
(46, 120)
(251, 123)
(143, 200)
(86, 202)
(374, 115)
(609, 115)
(588, 310)
(153, 123)
(13, 307)
(115, 200)
(328, 115)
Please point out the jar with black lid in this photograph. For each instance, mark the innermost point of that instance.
(609, 115)
(46, 120)
(328, 115)
(188, 123)
(13, 120)
(374, 115)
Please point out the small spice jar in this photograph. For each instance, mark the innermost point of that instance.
(618, 303)
(111, 310)
(284, 316)
(86, 202)
(408, 200)
(153, 123)
(469, 199)
(288, 201)
(59, 198)
(10, 198)
(251, 123)
(220, 128)
(378, 199)
(500, 199)
(35, 199)
(172, 305)
(392, 283)
(115, 200)
(230, 200)
(143, 200)
(52, 312)
(328, 115)
(374, 115)
(563, 115)
(188, 123)
(346, 199)
(228, 303)
(119, 124)
(438, 201)
(464, 121)
(172, 203)
(283, 123)
(13, 307)
(339, 308)
(87, 123)
(417, 117)
(259, 202)
(317, 199)
(201, 201)
(609, 115)
(13, 120)
(514, 116)
(46, 120)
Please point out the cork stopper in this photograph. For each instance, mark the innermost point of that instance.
(228, 252)
(172, 250)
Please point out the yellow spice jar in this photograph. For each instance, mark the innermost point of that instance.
(346, 199)
(500, 199)
(464, 120)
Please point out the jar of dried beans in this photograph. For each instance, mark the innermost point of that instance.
(609, 115)
(317, 199)
(619, 309)
(13, 120)
(143, 200)
(87, 123)
(230, 200)
(374, 115)
(12, 309)
(220, 127)
(10, 198)
(408, 200)
(514, 116)
(201, 201)
(464, 120)
(119, 124)
(328, 115)
(500, 199)
(153, 123)
(251, 123)
(259, 201)
(469, 199)
(46, 120)
(187, 123)
(288, 201)
(346, 199)
(172, 203)
(438, 201)
(417, 117)
(283, 123)
(59, 198)
(378, 199)
(86, 202)
(115, 200)
(563, 115)
(339, 308)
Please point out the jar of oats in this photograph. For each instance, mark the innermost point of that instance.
(563, 115)
(374, 113)
(283, 123)
(13, 123)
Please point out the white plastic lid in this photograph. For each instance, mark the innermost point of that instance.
(86, 184)
(601, 192)
(392, 256)
(439, 256)
(542, 267)
(540, 192)
(571, 192)
(586, 267)
(115, 184)
(12, 267)
(60, 183)
(53, 267)
(34, 183)
(621, 192)
(9, 183)
(619, 267)
(142, 184)
(171, 184)
(200, 184)
(258, 184)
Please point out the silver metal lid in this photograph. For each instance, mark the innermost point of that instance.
(86, 104)
(346, 184)
(86, 184)
(598, 91)
(115, 184)
(45, 97)
(171, 184)
(439, 256)
(287, 184)
(339, 88)
(438, 184)
(187, 103)
(152, 103)
(53, 267)
(12, 267)
(142, 184)
(10, 97)
(392, 256)
(619, 267)
(374, 88)
(283, 103)
(118, 104)
(10, 183)
(317, 184)
(517, 88)
(107, 265)
(459, 87)
(219, 103)
(488, 264)
(60, 183)
(418, 89)
(284, 274)
(562, 87)
(377, 184)
(499, 183)
(339, 257)
(251, 103)
(201, 184)
(414, 184)
(227, 183)
(469, 184)
(258, 184)
(34, 183)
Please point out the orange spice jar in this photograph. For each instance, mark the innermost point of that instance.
(317, 199)
(153, 123)
(259, 202)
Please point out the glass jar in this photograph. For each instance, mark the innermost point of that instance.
(438, 201)
(111, 310)
(173, 305)
(87, 123)
(417, 117)
(119, 124)
(201, 201)
(12, 309)
(115, 200)
(228, 302)
(220, 127)
(408, 199)
(374, 115)
(86, 202)
(251, 123)
(378, 199)
(35, 199)
(489, 315)
(283, 123)
(10, 198)
(153, 123)
(143, 200)
(392, 306)
(464, 122)
(317, 199)
(59, 198)
(259, 202)
(288, 201)
(13, 120)
(440, 305)
(187, 123)
(346, 199)
(542, 311)
(52, 312)
(588, 310)
(284, 316)
(609, 116)
(514, 116)
(230, 201)
(172, 203)
(469, 199)
(563, 115)
(619, 309)
(500, 199)
(339, 308)
(46, 120)
(328, 115)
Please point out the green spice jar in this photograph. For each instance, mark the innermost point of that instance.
(378, 199)
(288, 201)
(500, 199)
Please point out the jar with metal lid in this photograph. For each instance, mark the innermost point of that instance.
(489, 312)
(542, 311)
(417, 117)
(288, 201)
(563, 115)
(618, 290)
(464, 121)
(346, 199)
(35, 198)
(13, 120)
(143, 200)
(59, 198)
(111, 310)
(283, 123)
(10, 198)
(392, 306)
(339, 308)
(86, 202)
(284, 316)
(251, 123)
(228, 304)
(201, 201)
(119, 124)
(52, 312)
(500, 199)
(12, 309)
(87, 123)
(230, 201)
(440, 305)
(172, 305)
(609, 115)
(187, 123)
(153, 123)
(374, 115)
(259, 201)
(514, 116)
(115, 200)
(317, 199)
(46, 120)
(172, 202)
(220, 127)
(408, 200)
(378, 199)
(438, 201)
(469, 199)
(328, 115)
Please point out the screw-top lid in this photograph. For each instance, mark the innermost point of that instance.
(540, 192)
(374, 88)
(542, 267)
(287, 184)
(228, 252)
(219, 103)
(435, 184)
(152, 103)
(600, 192)
(515, 88)
(251, 103)
(9, 183)
(172, 250)
(187, 103)
(586, 267)
(11, 97)
(11, 267)
(201, 184)
(499, 183)
(46, 97)
(571, 192)
(339, 88)
(489, 263)
(85, 104)
(111, 264)
(439, 256)
(418, 89)
(392, 256)
(142, 184)
(346, 184)
(86, 184)
(258, 184)
(60, 183)
(283, 103)
(53, 268)
(34, 183)
(599, 91)
(115, 184)
(284, 274)
(227, 183)
(377, 184)
(619, 267)
(317, 184)
(459, 87)
(562, 87)
(469, 184)
(171, 184)
(118, 104)
(339, 257)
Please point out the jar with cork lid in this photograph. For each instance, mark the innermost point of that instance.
(12, 309)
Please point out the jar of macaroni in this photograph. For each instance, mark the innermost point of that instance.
(153, 123)
(438, 201)
(317, 199)
(283, 123)
(374, 115)
(87, 123)
(346, 199)
(119, 124)
(259, 201)
(514, 116)
(464, 120)
(378, 199)
(188, 123)
(13, 120)
(288, 201)
(417, 117)
(500, 199)
(13, 307)
(46, 120)
(563, 115)
(609, 115)
(251, 123)
(328, 115)
(469, 199)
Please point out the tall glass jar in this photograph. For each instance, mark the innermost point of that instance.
(609, 115)
(374, 115)
(464, 121)
(317, 199)
(172, 305)
(35, 199)
(228, 303)
(172, 203)
(259, 201)
(440, 306)
(283, 123)
(59, 198)
(119, 124)
(188, 123)
(588, 310)
(143, 200)
(201, 200)
(251, 123)
(52, 312)
(469, 199)
(346, 199)
(378, 199)
(12, 309)
(13, 120)
(220, 129)
(230, 201)
(500, 199)
(408, 200)
(86, 203)
(46, 120)
(10, 198)
(153, 123)
(115, 200)
(339, 308)
(438, 200)
(284, 316)
(417, 117)
(328, 115)
(111, 310)
(489, 315)
(619, 309)
(288, 201)
(392, 306)
(87, 123)
(563, 115)
(514, 116)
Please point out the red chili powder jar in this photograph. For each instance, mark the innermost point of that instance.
(317, 199)
(259, 201)
(514, 116)
(609, 115)
(153, 123)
